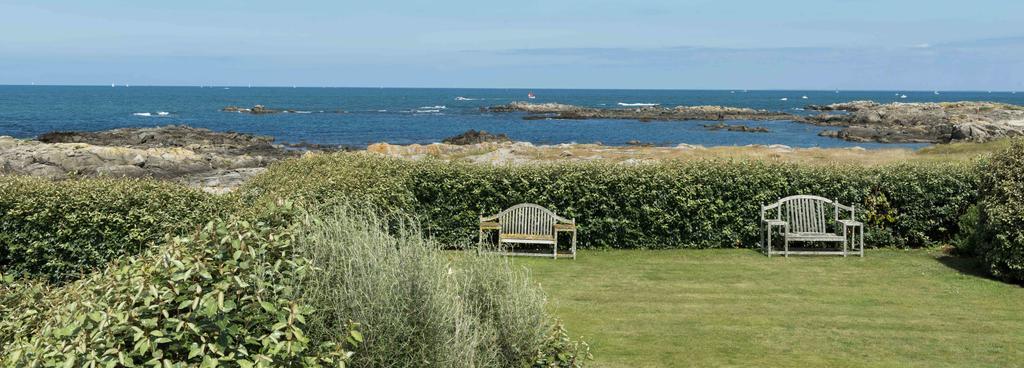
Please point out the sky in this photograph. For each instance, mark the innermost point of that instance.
(641, 44)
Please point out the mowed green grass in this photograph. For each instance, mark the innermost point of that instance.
(678, 308)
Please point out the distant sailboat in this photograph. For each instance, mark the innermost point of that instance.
(936, 92)
(803, 97)
(530, 95)
(111, 85)
(903, 96)
(784, 99)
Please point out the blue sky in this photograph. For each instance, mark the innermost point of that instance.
(822, 44)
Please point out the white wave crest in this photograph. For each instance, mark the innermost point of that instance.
(639, 104)
(142, 114)
(437, 107)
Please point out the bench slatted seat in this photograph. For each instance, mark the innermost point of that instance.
(528, 223)
(804, 218)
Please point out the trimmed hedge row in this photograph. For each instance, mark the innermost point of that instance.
(999, 241)
(703, 204)
(64, 229)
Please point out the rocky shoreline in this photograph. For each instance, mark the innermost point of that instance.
(645, 113)
(944, 122)
(215, 161)
(858, 121)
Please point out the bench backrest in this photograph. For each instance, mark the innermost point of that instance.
(527, 218)
(805, 213)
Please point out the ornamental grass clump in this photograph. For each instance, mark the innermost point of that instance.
(419, 306)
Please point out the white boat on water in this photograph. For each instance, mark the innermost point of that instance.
(803, 97)
(903, 96)
(530, 95)
(784, 99)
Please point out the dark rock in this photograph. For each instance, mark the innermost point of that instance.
(638, 143)
(473, 137)
(736, 128)
(256, 110)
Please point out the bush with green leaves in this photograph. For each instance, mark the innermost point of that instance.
(1000, 238)
(701, 204)
(64, 229)
(419, 306)
(224, 296)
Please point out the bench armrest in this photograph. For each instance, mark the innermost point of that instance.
(851, 223)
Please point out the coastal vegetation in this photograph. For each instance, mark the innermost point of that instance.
(692, 204)
(347, 258)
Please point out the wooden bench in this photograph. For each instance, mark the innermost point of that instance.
(804, 218)
(528, 223)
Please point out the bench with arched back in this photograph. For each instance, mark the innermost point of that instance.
(528, 223)
(805, 218)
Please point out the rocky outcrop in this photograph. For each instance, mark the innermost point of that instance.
(867, 121)
(217, 161)
(256, 110)
(473, 137)
(736, 128)
(196, 139)
(645, 113)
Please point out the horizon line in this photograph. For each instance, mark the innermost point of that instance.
(505, 88)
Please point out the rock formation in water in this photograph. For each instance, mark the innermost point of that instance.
(255, 110)
(644, 113)
(868, 121)
(736, 128)
(473, 137)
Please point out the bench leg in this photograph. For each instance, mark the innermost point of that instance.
(768, 236)
(786, 246)
(555, 253)
(845, 239)
(574, 244)
(861, 242)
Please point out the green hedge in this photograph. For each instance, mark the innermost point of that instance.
(703, 204)
(63, 229)
(226, 295)
(1000, 238)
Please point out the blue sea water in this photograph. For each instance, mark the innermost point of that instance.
(361, 116)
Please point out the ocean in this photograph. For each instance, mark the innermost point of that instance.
(357, 117)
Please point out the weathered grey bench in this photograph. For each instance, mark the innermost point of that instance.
(528, 223)
(803, 218)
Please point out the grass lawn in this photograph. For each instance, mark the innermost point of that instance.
(738, 308)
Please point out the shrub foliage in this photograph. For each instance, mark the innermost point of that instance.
(420, 307)
(224, 296)
(703, 204)
(64, 229)
(1000, 238)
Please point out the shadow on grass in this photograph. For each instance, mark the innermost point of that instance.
(966, 265)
